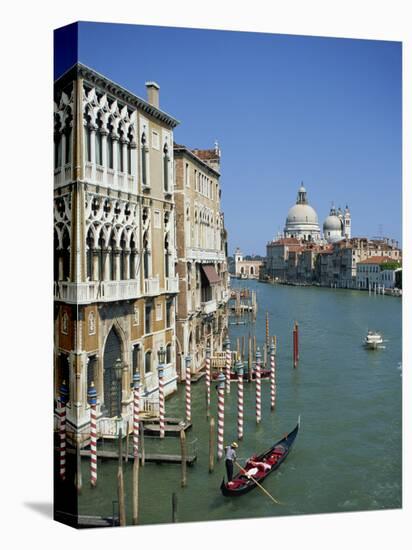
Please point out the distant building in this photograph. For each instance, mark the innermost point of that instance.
(371, 273)
(246, 268)
(202, 255)
(302, 220)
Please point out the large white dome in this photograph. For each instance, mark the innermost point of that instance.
(301, 214)
(332, 223)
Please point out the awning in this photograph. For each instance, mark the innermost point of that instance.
(210, 273)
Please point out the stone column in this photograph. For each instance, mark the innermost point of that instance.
(78, 388)
(93, 129)
(116, 252)
(106, 259)
(126, 270)
(104, 150)
(95, 264)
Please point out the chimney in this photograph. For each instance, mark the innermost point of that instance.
(153, 93)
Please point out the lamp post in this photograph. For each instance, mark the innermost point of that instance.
(92, 399)
(161, 354)
(63, 398)
(228, 362)
(188, 389)
(220, 414)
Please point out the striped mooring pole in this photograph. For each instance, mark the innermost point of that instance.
(136, 411)
(188, 388)
(228, 364)
(258, 388)
(272, 377)
(208, 376)
(239, 370)
(220, 414)
(92, 399)
(63, 398)
(160, 371)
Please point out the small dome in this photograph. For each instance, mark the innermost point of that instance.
(302, 189)
(302, 214)
(332, 223)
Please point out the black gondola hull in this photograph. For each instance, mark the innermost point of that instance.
(286, 443)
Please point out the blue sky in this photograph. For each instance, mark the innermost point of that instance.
(284, 109)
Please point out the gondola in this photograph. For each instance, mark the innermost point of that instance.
(273, 458)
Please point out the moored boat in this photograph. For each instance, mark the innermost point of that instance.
(373, 339)
(259, 467)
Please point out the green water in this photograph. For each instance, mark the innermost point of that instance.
(347, 456)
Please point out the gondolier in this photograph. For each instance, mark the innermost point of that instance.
(230, 458)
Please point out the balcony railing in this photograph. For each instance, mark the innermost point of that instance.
(97, 291)
(172, 284)
(209, 307)
(151, 286)
(205, 255)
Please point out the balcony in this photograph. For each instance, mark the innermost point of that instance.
(96, 291)
(202, 255)
(111, 291)
(172, 285)
(151, 286)
(209, 307)
(76, 293)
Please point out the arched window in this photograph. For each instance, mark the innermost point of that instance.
(110, 156)
(99, 148)
(148, 362)
(166, 161)
(167, 253)
(65, 323)
(57, 150)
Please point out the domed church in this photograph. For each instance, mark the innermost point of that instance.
(302, 220)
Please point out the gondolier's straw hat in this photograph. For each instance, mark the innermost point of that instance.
(234, 445)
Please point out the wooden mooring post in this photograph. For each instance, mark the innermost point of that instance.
(126, 457)
(183, 452)
(211, 444)
(135, 491)
(174, 508)
(78, 476)
(120, 485)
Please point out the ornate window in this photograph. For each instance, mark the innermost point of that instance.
(99, 148)
(65, 323)
(91, 321)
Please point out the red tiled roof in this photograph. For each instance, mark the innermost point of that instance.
(377, 260)
(206, 154)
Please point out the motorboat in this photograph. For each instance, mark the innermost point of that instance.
(373, 339)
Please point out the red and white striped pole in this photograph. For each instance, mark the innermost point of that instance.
(136, 410)
(258, 388)
(188, 389)
(297, 341)
(228, 364)
(64, 397)
(239, 370)
(272, 377)
(220, 414)
(92, 398)
(160, 371)
(208, 376)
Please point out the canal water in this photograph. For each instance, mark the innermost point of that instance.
(347, 456)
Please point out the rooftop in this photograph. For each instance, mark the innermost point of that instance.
(377, 260)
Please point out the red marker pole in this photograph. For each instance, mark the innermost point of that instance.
(208, 377)
(220, 414)
(228, 364)
(188, 389)
(239, 370)
(272, 377)
(258, 388)
(136, 407)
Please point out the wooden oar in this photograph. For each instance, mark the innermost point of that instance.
(258, 484)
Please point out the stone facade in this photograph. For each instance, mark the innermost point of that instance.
(114, 232)
(201, 255)
(334, 264)
(246, 268)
